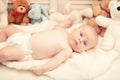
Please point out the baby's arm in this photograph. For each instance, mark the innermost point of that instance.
(66, 23)
(53, 63)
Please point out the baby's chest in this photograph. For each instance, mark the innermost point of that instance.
(47, 47)
(49, 42)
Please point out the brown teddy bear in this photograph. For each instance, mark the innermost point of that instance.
(99, 9)
(18, 14)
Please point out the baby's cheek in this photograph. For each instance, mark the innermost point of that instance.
(79, 49)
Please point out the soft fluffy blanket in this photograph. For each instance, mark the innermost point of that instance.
(81, 66)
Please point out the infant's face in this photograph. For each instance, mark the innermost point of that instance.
(83, 38)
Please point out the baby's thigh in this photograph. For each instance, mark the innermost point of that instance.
(11, 30)
(14, 52)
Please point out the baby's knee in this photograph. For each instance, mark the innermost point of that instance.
(7, 54)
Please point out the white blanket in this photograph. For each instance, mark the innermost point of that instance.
(84, 66)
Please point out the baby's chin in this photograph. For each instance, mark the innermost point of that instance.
(78, 50)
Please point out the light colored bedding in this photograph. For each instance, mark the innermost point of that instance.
(90, 65)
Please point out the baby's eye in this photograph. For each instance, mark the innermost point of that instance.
(84, 42)
(81, 34)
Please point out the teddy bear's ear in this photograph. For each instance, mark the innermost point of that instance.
(28, 2)
(112, 2)
(14, 1)
(44, 11)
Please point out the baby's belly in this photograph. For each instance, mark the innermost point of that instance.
(44, 49)
(43, 53)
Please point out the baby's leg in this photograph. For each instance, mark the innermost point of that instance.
(3, 36)
(8, 31)
(11, 53)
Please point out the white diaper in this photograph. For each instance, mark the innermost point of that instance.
(22, 39)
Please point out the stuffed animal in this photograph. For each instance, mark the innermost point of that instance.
(111, 38)
(99, 9)
(67, 8)
(18, 14)
(58, 17)
(37, 13)
(3, 13)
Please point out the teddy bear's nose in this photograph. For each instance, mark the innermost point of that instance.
(118, 8)
(21, 8)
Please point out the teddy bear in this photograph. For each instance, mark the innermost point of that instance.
(111, 39)
(3, 13)
(67, 8)
(99, 9)
(37, 13)
(18, 14)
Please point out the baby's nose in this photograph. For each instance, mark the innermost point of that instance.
(81, 39)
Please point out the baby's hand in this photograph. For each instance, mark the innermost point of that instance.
(72, 18)
(75, 17)
(37, 70)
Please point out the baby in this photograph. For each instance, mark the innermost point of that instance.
(57, 44)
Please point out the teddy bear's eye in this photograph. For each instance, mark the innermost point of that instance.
(19, 5)
(118, 8)
(23, 6)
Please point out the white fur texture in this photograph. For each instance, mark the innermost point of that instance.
(112, 35)
(3, 13)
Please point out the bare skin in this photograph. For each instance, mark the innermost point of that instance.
(57, 44)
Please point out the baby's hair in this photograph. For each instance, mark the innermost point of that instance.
(90, 28)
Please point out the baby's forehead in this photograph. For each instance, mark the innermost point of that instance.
(86, 29)
(89, 32)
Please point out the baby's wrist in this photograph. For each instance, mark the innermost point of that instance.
(44, 69)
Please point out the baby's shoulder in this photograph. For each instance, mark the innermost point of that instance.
(63, 33)
(62, 30)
